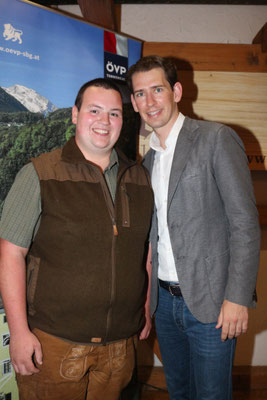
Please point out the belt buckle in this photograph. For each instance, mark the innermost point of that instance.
(170, 290)
(171, 287)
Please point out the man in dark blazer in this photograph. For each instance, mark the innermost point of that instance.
(205, 236)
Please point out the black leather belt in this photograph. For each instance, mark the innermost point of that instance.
(173, 289)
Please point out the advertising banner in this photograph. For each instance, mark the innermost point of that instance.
(45, 57)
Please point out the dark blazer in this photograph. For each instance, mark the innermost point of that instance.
(212, 220)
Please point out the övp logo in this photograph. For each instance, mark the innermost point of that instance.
(115, 55)
(10, 33)
(118, 69)
(115, 66)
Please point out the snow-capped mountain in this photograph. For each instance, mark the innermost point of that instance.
(33, 101)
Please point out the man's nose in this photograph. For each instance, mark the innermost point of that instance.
(150, 99)
(105, 118)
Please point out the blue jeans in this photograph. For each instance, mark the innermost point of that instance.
(197, 364)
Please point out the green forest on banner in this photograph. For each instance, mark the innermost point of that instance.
(31, 134)
(34, 133)
(42, 73)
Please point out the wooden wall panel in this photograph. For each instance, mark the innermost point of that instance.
(225, 83)
(212, 56)
(236, 99)
(233, 98)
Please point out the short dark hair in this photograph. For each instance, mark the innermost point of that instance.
(150, 62)
(99, 82)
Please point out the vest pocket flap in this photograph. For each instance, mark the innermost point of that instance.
(32, 276)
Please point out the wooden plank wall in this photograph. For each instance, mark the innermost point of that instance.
(225, 83)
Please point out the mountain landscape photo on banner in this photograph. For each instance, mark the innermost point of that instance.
(45, 57)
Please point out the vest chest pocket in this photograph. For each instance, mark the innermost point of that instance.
(32, 276)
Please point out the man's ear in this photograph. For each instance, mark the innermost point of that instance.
(134, 103)
(74, 114)
(177, 92)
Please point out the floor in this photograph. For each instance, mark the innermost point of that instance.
(248, 383)
(238, 395)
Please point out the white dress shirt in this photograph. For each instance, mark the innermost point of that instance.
(160, 183)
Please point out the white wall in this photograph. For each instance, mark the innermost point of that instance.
(208, 24)
(72, 9)
(193, 23)
(190, 23)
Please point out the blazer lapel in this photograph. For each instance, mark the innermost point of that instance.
(185, 142)
(149, 160)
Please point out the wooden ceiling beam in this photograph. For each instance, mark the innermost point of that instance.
(99, 12)
(261, 38)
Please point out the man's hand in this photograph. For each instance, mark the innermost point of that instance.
(22, 348)
(233, 319)
(147, 328)
(23, 343)
(148, 325)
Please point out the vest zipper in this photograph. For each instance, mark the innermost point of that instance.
(113, 281)
(125, 207)
(111, 210)
(115, 229)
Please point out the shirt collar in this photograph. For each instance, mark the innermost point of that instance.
(113, 160)
(72, 154)
(172, 137)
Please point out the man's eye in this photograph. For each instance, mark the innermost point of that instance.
(93, 111)
(158, 90)
(114, 114)
(139, 94)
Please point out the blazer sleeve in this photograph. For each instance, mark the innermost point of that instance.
(235, 186)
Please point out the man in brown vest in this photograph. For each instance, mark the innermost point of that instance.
(73, 234)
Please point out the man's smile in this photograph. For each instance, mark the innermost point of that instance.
(102, 132)
(152, 113)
